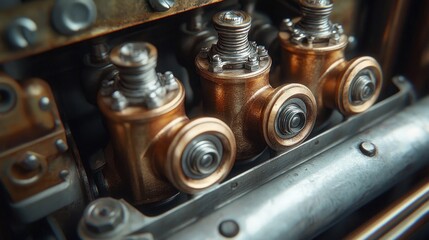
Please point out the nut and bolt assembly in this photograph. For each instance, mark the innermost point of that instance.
(234, 75)
(105, 215)
(313, 55)
(152, 135)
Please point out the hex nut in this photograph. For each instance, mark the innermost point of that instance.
(104, 215)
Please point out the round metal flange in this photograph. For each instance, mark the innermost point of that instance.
(289, 116)
(360, 86)
(201, 154)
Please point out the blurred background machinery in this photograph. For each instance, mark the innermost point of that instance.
(245, 119)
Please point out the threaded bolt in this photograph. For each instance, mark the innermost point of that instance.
(138, 81)
(233, 30)
(104, 215)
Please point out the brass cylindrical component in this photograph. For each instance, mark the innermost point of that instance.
(313, 55)
(237, 91)
(157, 149)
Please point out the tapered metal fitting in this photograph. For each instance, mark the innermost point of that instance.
(202, 156)
(104, 215)
(138, 81)
(291, 118)
(362, 87)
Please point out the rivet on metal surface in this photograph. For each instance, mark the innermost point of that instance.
(229, 228)
(30, 162)
(44, 103)
(64, 173)
(104, 215)
(61, 145)
(22, 32)
(368, 148)
(161, 5)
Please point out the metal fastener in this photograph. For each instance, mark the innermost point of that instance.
(252, 63)
(71, 16)
(232, 17)
(202, 156)
(170, 81)
(44, 103)
(216, 64)
(30, 162)
(161, 5)
(22, 32)
(64, 173)
(119, 102)
(104, 215)
(229, 228)
(368, 148)
(61, 145)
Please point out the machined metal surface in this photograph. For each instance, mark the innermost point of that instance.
(238, 185)
(51, 16)
(399, 219)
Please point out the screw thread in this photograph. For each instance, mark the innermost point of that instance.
(233, 31)
(136, 64)
(315, 16)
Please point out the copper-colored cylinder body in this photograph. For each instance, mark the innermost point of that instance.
(322, 68)
(144, 140)
(246, 102)
(237, 97)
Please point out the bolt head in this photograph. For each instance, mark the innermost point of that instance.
(232, 17)
(134, 52)
(22, 32)
(104, 215)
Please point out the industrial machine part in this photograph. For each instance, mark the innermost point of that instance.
(306, 196)
(313, 54)
(129, 164)
(234, 77)
(34, 162)
(157, 149)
